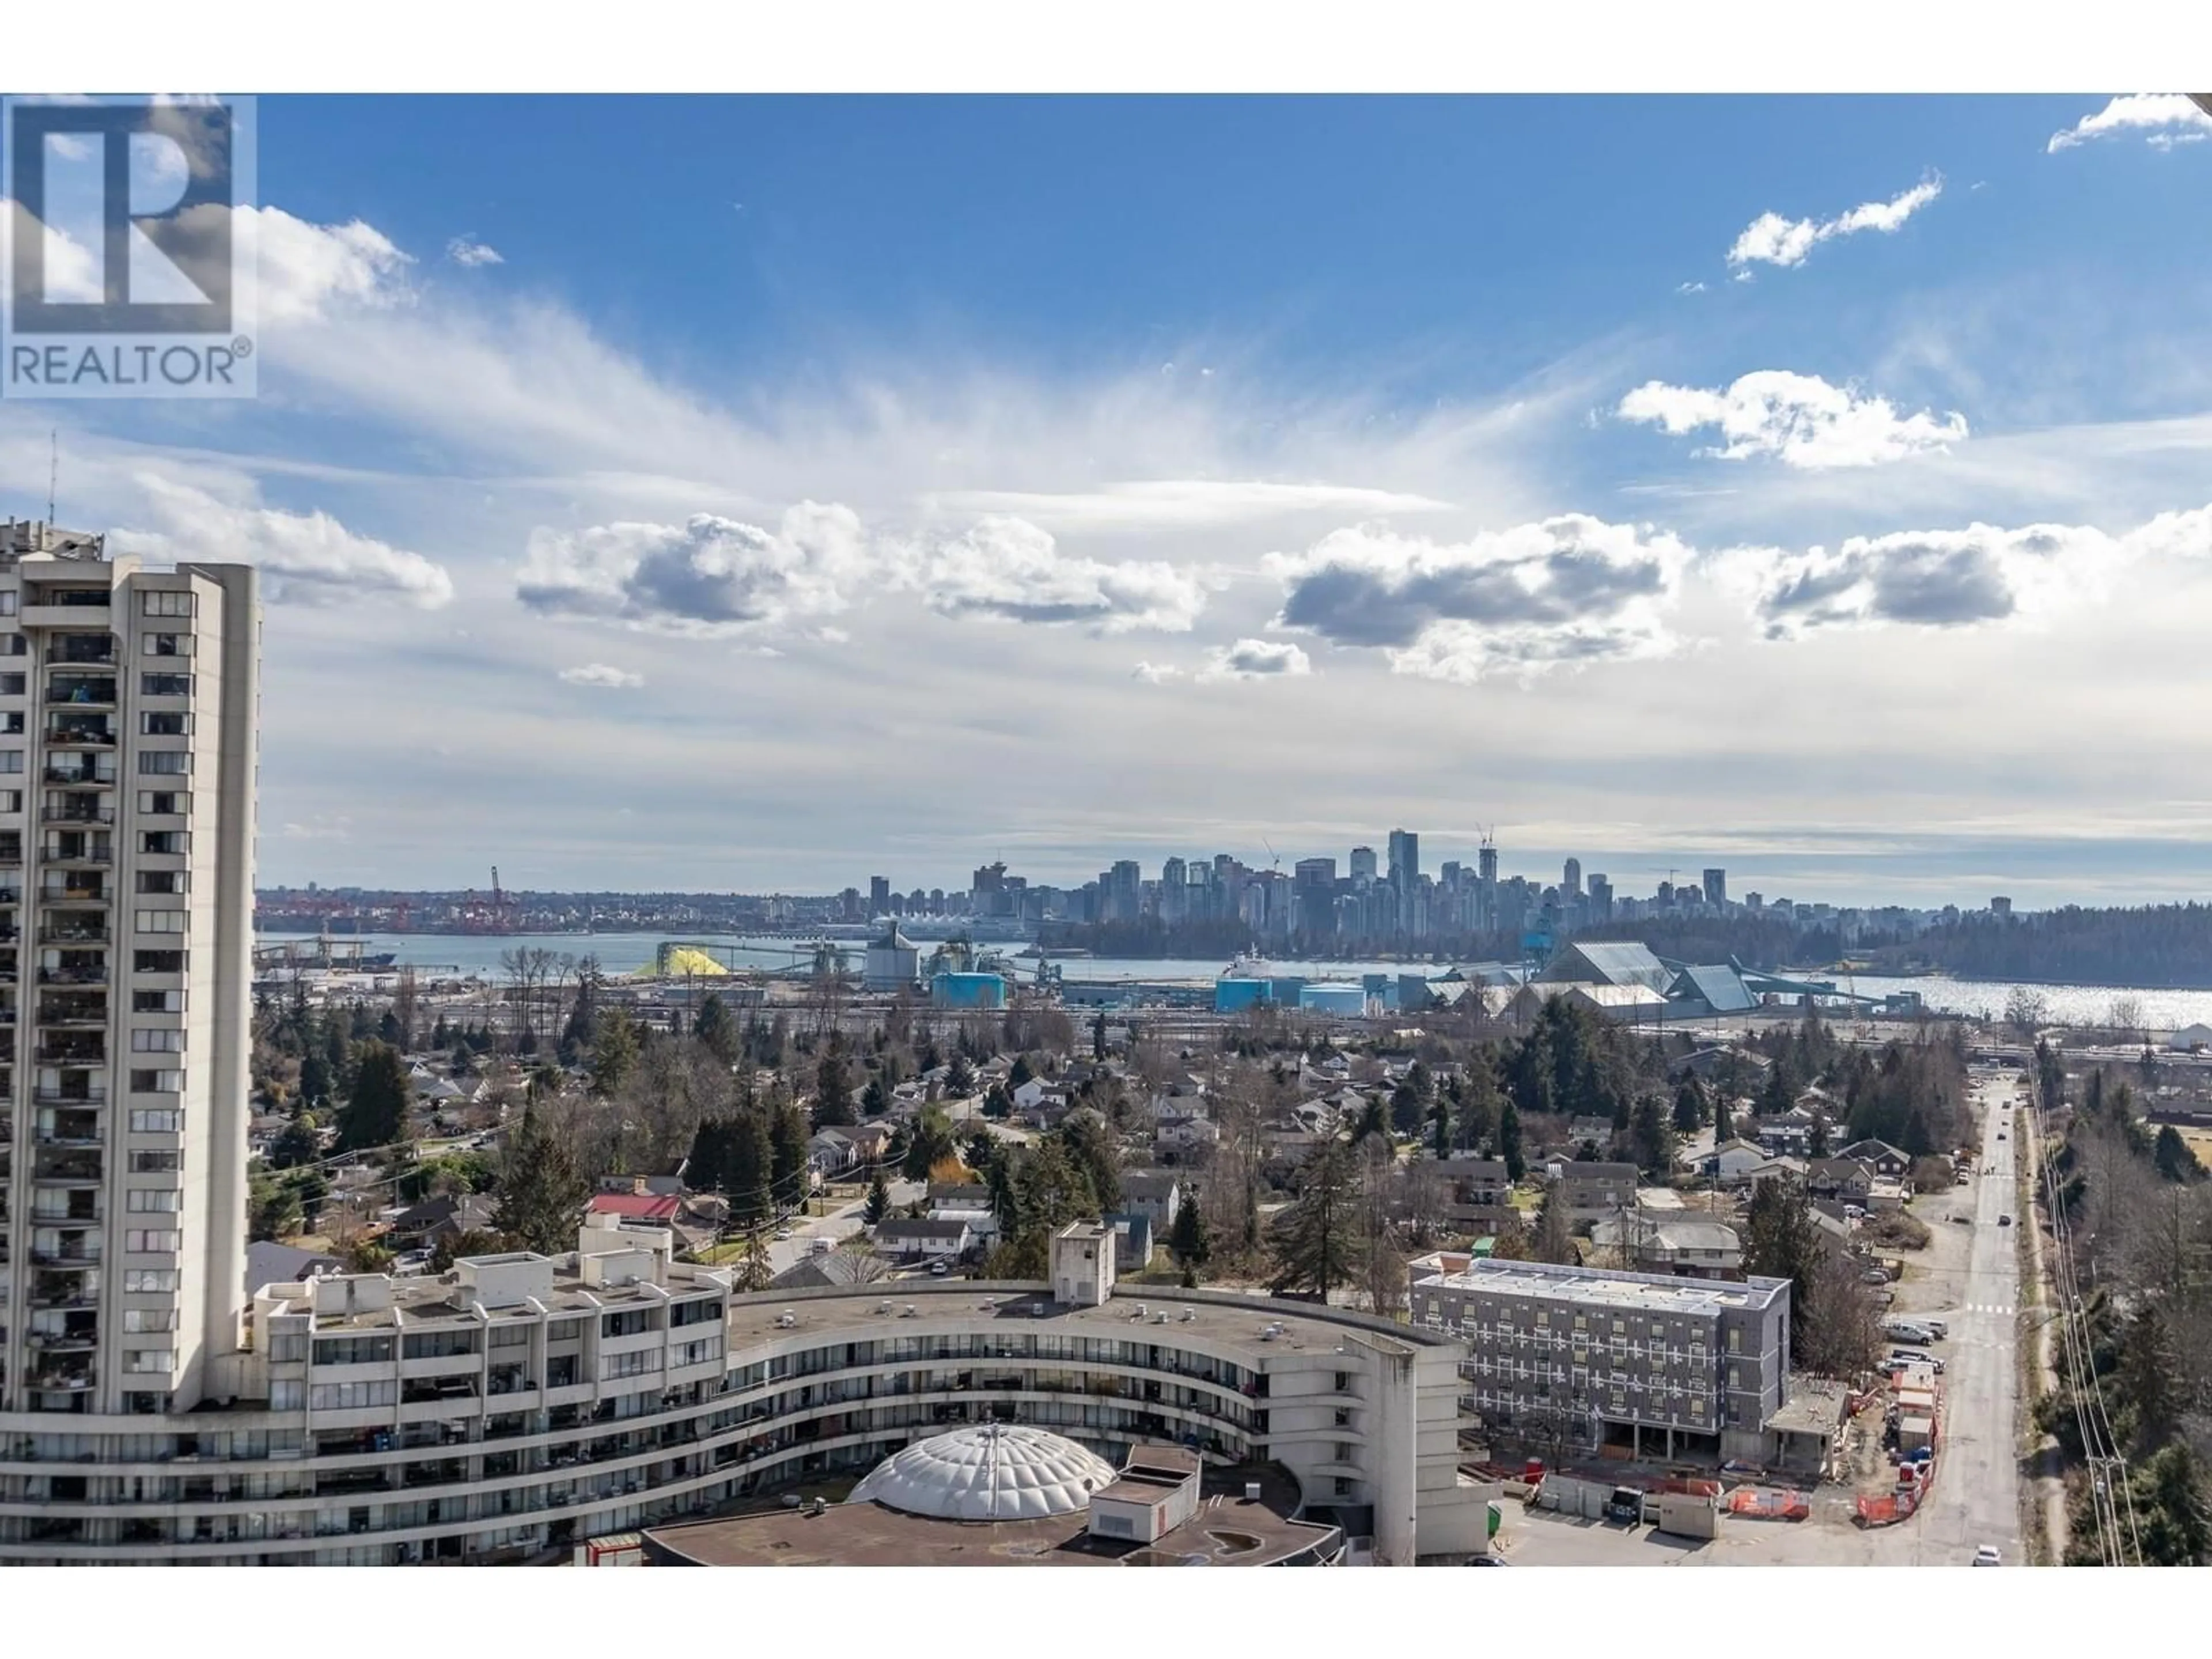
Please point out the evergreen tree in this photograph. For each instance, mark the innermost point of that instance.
(376, 1113)
(833, 1089)
(2179, 1531)
(875, 1099)
(1917, 1142)
(1652, 1135)
(788, 1155)
(1020, 1072)
(1816, 1136)
(1780, 1241)
(960, 1078)
(614, 1051)
(297, 1143)
(1188, 1238)
(316, 1079)
(1689, 1107)
(1476, 1111)
(1315, 1238)
(879, 1199)
(2172, 1157)
(716, 1029)
(931, 1142)
(541, 1191)
(1508, 1142)
(1723, 1120)
(440, 1037)
(749, 1168)
(1440, 1124)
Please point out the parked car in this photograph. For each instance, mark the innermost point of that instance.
(938, 1270)
(1487, 1561)
(1987, 1556)
(1626, 1506)
(1914, 1356)
(1937, 1329)
(2004, 1221)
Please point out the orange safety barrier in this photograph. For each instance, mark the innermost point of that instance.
(1765, 1504)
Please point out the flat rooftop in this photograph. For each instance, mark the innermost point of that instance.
(438, 1297)
(1598, 1287)
(877, 1310)
(1228, 1530)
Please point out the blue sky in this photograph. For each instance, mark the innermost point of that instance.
(898, 483)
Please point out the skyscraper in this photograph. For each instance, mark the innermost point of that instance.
(124, 1099)
(1717, 887)
(1363, 865)
(1405, 859)
(1571, 883)
(879, 896)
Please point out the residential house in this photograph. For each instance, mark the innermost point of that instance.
(1884, 1159)
(1672, 1241)
(421, 1226)
(827, 1270)
(647, 1208)
(965, 1201)
(1597, 1131)
(829, 1153)
(667, 1183)
(1156, 1193)
(1593, 1191)
(1478, 1194)
(926, 1239)
(1732, 1162)
(1844, 1179)
(870, 1141)
(1133, 1240)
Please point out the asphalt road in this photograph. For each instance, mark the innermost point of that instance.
(1976, 1500)
(839, 1224)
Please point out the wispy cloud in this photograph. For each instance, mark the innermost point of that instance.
(604, 676)
(1155, 674)
(1772, 240)
(1799, 419)
(2164, 119)
(467, 252)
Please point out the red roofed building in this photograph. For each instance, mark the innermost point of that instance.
(658, 1207)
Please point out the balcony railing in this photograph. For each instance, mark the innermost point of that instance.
(56, 935)
(73, 1054)
(84, 853)
(81, 692)
(88, 976)
(83, 893)
(66, 1099)
(68, 1255)
(82, 650)
(79, 814)
(74, 736)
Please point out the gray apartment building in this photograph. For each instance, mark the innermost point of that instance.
(1686, 1369)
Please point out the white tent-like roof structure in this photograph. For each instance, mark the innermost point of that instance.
(995, 1472)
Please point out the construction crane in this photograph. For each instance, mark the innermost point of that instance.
(1271, 853)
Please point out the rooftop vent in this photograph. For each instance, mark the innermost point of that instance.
(1188, 1314)
(1251, 1492)
(1159, 1319)
(882, 1307)
(785, 1320)
(908, 1311)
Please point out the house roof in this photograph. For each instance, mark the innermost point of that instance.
(830, 1269)
(637, 1206)
(1870, 1147)
(1149, 1183)
(924, 1227)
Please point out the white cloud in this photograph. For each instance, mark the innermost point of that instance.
(1689, 287)
(1800, 418)
(2165, 119)
(1010, 570)
(604, 676)
(321, 827)
(1155, 674)
(1981, 574)
(707, 578)
(1774, 241)
(468, 252)
(1565, 591)
(1255, 660)
(305, 558)
(310, 273)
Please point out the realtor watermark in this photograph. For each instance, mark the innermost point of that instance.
(128, 265)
